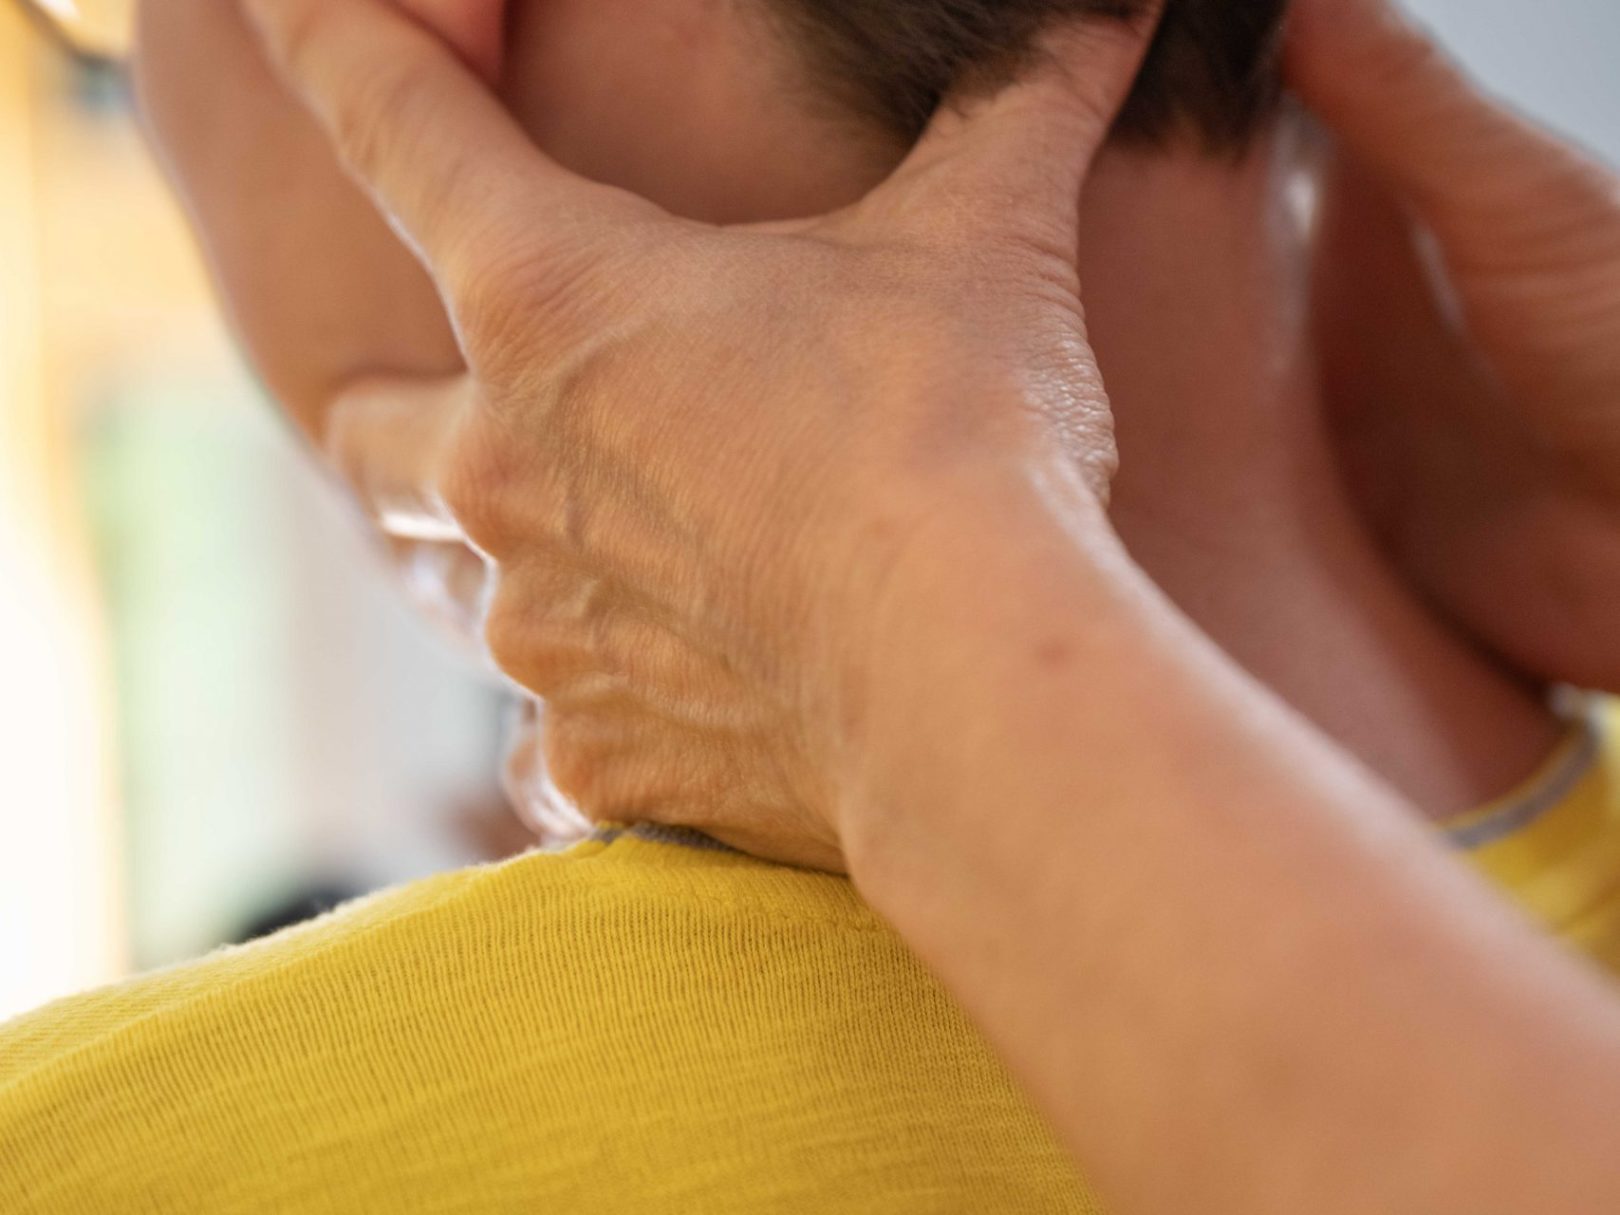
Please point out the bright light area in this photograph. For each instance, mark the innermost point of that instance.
(56, 892)
(55, 889)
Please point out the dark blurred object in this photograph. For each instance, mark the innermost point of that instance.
(312, 901)
(491, 828)
(486, 825)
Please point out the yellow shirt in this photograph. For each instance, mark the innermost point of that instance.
(1555, 844)
(639, 1025)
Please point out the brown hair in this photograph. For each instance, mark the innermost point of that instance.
(1210, 74)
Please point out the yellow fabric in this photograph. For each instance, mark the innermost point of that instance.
(1559, 857)
(633, 1026)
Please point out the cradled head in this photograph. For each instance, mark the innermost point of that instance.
(1211, 74)
(739, 110)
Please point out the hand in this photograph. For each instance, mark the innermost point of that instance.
(300, 254)
(298, 251)
(550, 818)
(1468, 312)
(475, 29)
(692, 455)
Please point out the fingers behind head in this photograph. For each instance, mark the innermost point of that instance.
(1384, 85)
(1026, 148)
(421, 132)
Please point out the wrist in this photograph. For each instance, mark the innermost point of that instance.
(985, 569)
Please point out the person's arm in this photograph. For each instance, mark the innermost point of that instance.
(1227, 963)
(799, 530)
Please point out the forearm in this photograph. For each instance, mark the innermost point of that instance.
(1227, 963)
(320, 291)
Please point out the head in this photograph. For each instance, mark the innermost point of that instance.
(744, 110)
(739, 109)
(1209, 77)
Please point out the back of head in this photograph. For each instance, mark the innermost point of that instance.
(1210, 76)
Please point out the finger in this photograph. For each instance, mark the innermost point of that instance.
(534, 796)
(1403, 106)
(1025, 150)
(451, 584)
(435, 148)
(390, 439)
(475, 28)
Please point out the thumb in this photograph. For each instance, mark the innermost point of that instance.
(475, 28)
(1019, 155)
(1470, 165)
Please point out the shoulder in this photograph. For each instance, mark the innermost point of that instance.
(526, 917)
(629, 1002)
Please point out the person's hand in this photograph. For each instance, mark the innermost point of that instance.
(693, 455)
(475, 29)
(1468, 313)
(299, 253)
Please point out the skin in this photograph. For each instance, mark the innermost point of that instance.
(1474, 400)
(1234, 507)
(301, 255)
(950, 624)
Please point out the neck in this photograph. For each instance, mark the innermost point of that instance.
(1229, 496)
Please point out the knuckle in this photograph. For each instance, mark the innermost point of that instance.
(509, 635)
(1086, 110)
(366, 122)
(526, 302)
(527, 640)
(573, 760)
(476, 484)
(493, 312)
(1538, 205)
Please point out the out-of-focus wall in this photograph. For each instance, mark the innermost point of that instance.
(59, 890)
(211, 698)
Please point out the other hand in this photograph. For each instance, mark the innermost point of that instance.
(1468, 311)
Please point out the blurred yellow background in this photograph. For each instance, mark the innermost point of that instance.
(210, 702)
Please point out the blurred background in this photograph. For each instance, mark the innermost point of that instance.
(212, 705)
(214, 712)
